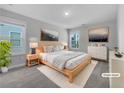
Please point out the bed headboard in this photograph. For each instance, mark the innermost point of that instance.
(41, 44)
(49, 43)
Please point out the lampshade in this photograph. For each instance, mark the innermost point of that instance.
(33, 39)
(64, 43)
(33, 44)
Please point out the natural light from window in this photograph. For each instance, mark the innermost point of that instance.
(15, 34)
(74, 40)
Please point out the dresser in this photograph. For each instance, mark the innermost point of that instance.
(99, 52)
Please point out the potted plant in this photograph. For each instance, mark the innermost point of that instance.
(5, 54)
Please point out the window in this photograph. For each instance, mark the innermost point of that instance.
(15, 39)
(15, 34)
(74, 40)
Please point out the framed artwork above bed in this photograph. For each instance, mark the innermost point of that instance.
(48, 35)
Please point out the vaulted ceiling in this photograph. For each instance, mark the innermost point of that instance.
(65, 15)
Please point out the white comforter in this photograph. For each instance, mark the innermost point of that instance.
(70, 64)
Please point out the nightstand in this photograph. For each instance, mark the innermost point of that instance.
(32, 58)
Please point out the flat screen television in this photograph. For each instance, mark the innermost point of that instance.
(99, 35)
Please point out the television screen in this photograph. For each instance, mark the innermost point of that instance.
(99, 35)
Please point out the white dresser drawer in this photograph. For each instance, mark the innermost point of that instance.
(98, 52)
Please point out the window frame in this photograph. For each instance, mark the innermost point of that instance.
(72, 33)
(20, 39)
(8, 20)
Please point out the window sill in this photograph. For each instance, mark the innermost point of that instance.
(74, 48)
(17, 54)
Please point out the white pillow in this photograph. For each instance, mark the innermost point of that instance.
(61, 47)
(56, 48)
(48, 49)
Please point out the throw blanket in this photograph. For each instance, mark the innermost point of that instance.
(60, 60)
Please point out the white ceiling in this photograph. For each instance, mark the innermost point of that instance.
(54, 14)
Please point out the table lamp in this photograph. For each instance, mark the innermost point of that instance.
(65, 45)
(33, 46)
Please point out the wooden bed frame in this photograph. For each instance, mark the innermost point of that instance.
(70, 73)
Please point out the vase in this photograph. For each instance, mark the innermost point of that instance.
(4, 69)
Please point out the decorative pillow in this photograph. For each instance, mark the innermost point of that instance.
(56, 48)
(61, 47)
(48, 49)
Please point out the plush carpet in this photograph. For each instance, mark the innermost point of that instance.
(25, 77)
(96, 80)
(62, 81)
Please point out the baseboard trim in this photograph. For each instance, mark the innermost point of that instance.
(17, 66)
(103, 60)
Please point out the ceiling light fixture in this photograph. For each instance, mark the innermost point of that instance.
(66, 13)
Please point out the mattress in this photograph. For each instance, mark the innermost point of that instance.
(72, 63)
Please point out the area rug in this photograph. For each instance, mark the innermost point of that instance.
(62, 81)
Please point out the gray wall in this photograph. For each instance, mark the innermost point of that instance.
(33, 30)
(0, 11)
(83, 30)
(121, 27)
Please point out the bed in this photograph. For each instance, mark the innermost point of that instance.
(69, 63)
